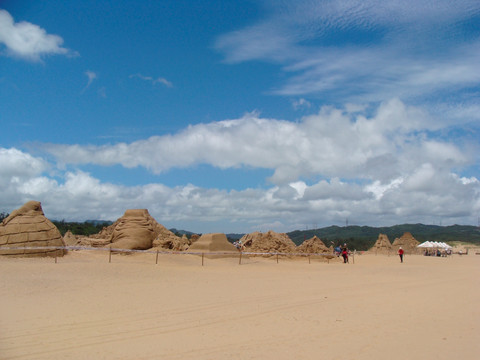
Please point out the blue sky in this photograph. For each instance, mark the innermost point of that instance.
(241, 116)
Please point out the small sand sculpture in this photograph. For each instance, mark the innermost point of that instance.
(270, 242)
(212, 243)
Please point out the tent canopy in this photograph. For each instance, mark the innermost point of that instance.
(434, 245)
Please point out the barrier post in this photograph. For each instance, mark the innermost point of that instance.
(202, 258)
(55, 256)
(277, 258)
(156, 259)
(309, 259)
(110, 255)
(240, 259)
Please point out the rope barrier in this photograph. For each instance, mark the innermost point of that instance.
(157, 252)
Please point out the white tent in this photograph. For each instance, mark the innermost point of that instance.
(434, 245)
(426, 244)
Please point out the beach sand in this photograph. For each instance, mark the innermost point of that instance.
(84, 307)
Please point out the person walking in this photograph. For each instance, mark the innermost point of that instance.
(400, 253)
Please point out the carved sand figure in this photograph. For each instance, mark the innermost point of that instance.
(136, 230)
(133, 231)
(27, 226)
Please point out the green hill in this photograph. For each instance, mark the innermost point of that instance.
(363, 237)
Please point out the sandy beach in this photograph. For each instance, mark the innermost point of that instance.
(84, 307)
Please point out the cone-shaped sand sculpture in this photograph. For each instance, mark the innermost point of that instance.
(28, 227)
(382, 245)
(313, 246)
(408, 243)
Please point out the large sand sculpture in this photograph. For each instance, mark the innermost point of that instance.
(27, 226)
(408, 244)
(382, 245)
(137, 230)
(268, 242)
(133, 231)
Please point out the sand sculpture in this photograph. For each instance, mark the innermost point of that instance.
(216, 242)
(408, 244)
(137, 230)
(27, 226)
(173, 243)
(133, 231)
(314, 246)
(382, 245)
(268, 242)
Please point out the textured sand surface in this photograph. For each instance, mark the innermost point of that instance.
(86, 308)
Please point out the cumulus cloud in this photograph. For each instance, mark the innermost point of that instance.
(382, 168)
(423, 194)
(333, 143)
(27, 40)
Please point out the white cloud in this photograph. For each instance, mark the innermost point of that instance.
(154, 81)
(27, 40)
(301, 104)
(91, 77)
(15, 163)
(364, 51)
(426, 193)
(332, 143)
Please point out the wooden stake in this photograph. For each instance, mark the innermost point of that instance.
(156, 260)
(110, 255)
(309, 259)
(240, 259)
(277, 258)
(202, 258)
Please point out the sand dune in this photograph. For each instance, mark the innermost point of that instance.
(86, 308)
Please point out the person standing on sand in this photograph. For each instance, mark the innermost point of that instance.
(400, 253)
(345, 253)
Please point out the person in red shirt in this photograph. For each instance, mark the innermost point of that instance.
(400, 253)
(345, 253)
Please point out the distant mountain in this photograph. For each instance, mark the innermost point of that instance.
(99, 222)
(363, 237)
(181, 232)
(234, 237)
(357, 237)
